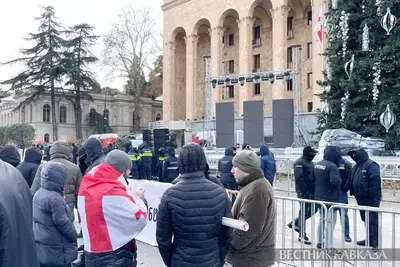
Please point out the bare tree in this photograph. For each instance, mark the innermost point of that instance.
(128, 47)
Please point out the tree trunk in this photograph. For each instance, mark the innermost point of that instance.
(136, 116)
(78, 119)
(53, 111)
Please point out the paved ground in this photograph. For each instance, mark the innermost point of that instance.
(149, 256)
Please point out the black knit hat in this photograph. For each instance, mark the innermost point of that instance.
(191, 159)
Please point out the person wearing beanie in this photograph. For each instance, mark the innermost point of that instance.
(256, 205)
(32, 160)
(112, 214)
(94, 154)
(303, 175)
(190, 213)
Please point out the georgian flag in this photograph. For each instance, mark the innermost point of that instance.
(110, 216)
(319, 32)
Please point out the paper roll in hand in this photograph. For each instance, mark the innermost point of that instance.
(236, 224)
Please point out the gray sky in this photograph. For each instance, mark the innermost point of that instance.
(17, 20)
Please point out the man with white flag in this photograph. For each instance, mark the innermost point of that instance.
(111, 216)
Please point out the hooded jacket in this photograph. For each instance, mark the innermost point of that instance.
(110, 217)
(55, 233)
(81, 158)
(327, 176)
(60, 152)
(256, 205)
(365, 182)
(225, 166)
(185, 213)
(170, 167)
(28, 168)
(345, 173)
(303, 174)
(94, 154)
(268, 164)
(17, 243)
(10, 155)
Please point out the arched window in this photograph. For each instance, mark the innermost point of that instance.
(158, 117)
(23, 114)
(46, 138)
(92, 115)
(46, 113)
(63, 114)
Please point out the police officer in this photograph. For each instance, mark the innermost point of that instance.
(225, 169)
(327, 185)
(366, 187)
(136, 162)
(146, 156)
(303, 175)
(160, 163)
(170, 167)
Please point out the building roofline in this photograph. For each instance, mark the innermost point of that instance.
(172, 4)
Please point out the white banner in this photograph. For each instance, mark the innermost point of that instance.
(153, 194)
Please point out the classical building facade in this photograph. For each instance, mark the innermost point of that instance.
(242, 37)
(38, 114)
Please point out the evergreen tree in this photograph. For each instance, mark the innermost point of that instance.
(77, 59)
(43, 62)
(360, 111)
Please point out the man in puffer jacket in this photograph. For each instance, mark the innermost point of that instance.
(225, 169)
(200, 239)
(94, 154)
(268, 164)
(10, 155)
(60, 152)
(111, 216)
(55, 234)
(28, 168)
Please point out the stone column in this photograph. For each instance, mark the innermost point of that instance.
(168, 80)
(279, 47)
(191, 73)
(245, 59)
(216, 34)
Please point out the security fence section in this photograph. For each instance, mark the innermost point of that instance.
(320, 241)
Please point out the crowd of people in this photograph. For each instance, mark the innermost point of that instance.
(37, 203)
(330, 181)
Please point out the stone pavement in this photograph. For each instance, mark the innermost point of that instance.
(149, 256)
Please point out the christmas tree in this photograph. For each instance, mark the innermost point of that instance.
(362, 73)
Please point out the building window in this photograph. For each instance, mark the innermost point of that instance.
(231, 39)
(46, 113)
(257, 89)
(223, 68)
(289, 57)
(46, 138)
(223, 41)
(63, 114)
(92, 116)
(309, 50)
(257, 36)
(309, 106)
(309, 18)
(231, 91)
(289, 85)
(309, 80)
(257, 61)
(290, 27)
(231, 66)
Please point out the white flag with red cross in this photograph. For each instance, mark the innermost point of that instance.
(319, 32)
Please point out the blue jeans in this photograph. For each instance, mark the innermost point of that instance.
(322, 226)
(344, 198)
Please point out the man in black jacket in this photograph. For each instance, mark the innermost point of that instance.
(184, 213)
(170, 167)
(94, 154)
(17, 243)
(303, 172)
(366, 187)
(345, 174)
(225, 169)
(32, 160)
(146, 155)
(327, 185)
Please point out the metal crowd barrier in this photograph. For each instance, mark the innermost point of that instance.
(387, 230)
